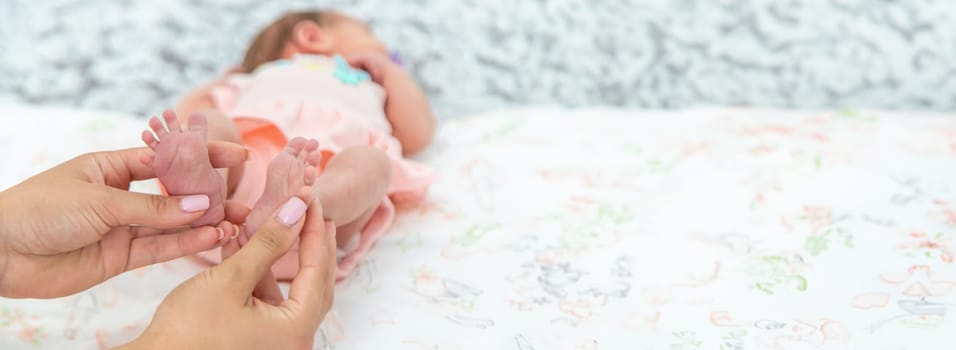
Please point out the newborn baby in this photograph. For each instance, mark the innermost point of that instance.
(319, 75)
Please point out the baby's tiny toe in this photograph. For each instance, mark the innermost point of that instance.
(311, 145)
(302, 157)
(305, 193)
(197, 122)
(146, 159)
(149, 139)
(314, 158)
(295, 145)
(157, 126)
(310, 173)
(171, 121)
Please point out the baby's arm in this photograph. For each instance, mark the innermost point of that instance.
(406, 106)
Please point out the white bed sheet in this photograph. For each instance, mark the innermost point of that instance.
(604, 229)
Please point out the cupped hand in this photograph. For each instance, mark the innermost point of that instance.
(77, 225)
(220, 309)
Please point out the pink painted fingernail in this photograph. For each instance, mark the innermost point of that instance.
(291, 211)
(194, 203)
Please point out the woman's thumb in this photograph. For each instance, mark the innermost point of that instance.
(268, 244)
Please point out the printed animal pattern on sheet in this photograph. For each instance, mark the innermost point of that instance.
(604, 229)
(470, 56)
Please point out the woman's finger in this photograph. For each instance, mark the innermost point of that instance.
(144, 231)
(229, 248)
(119, 168)
(311, 293)
(115, 207)
(249, 265)
(236, 212)
(226, 154)
(137, 231)
(267, 289)
(156, 249)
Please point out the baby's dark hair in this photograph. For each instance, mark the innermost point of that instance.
(270, 42)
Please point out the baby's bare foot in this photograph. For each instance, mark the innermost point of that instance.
(290, 174)
(182, 163)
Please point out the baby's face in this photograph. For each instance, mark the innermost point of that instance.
(353, 36)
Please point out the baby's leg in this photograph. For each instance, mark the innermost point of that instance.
(352, 186)
(181, 162)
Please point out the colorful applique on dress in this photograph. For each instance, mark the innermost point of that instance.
(348, 75)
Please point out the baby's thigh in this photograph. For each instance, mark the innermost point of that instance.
(363, 165)
(346, 233)
(353, 182)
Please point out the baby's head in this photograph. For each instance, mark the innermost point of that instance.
(310, 32)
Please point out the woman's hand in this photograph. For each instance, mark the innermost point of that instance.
(76, 225)
(218, 309)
